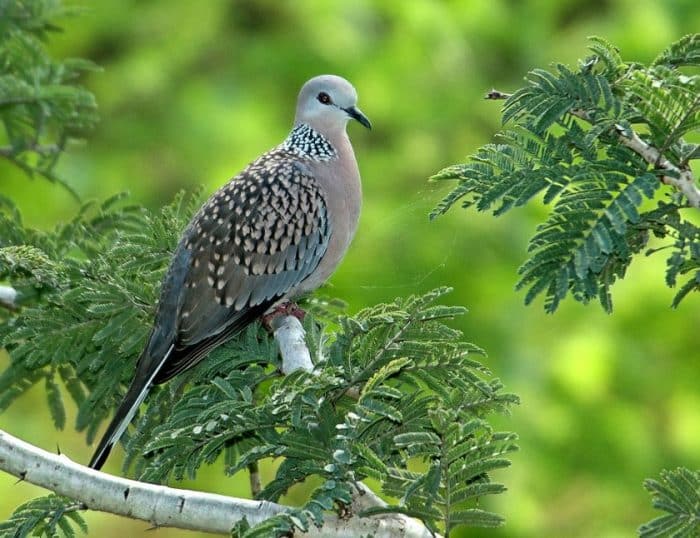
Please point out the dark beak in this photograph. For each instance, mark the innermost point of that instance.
(356, 114)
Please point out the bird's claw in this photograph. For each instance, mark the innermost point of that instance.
(281, 310)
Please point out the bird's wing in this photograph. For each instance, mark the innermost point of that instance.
(250, 244)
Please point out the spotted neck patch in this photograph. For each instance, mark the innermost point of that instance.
(305, 141)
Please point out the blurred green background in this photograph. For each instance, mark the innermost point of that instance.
(192, 91)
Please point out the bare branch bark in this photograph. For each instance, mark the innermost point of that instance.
(365, 498)
(8, 296)
(685, 182)
(290, 334)
(170, 507)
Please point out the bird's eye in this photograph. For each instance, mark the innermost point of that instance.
(324, 98)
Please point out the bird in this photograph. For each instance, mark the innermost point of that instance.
(274, 232)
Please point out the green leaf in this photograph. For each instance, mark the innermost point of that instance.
(678, 493)
(475, 517)
(568, 136)
(53, 394)
(45, 516)
(416, 438)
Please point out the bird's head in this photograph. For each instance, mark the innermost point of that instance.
(327, 102)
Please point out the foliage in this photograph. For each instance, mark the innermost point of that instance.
(678, 493)
(48, 516)
(80, 314)
(42, 107)
(396, 398)
(417, 422)
(567, 141)
(420, 397)
(177, 112)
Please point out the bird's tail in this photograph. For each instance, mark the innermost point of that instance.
(138, 390)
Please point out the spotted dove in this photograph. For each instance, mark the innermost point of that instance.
(275, 231)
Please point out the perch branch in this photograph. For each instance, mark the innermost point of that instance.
(364, 498)
(162, 506)
(290, 334)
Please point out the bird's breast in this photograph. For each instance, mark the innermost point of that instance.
(340, 181)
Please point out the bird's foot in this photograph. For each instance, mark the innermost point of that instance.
(282, 310)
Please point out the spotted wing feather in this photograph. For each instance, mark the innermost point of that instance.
(250, 244)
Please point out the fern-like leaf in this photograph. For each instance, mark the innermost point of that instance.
(676, 492)
(49, 516)
(563, 144)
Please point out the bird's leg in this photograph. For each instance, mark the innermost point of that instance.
(286, 308)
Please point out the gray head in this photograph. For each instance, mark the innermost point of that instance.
(327, 102)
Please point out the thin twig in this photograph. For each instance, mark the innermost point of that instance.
(255, 480)
(680, 178)
(495, 94)
(684, 182)
(254, 475)
(49, 149)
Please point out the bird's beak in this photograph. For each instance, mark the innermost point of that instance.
(356, 114)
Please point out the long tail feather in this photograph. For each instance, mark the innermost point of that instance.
(134, 397)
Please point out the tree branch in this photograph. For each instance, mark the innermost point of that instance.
(684, 182)
(495, 95)
(48, 149)
(290, 334)
(682, 178)
(170, 507)
(8, 296)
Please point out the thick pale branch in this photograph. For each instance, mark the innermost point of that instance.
(290, 334)
(8, 296)
(365, 498)
(170, 507)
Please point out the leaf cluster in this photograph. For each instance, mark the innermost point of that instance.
(48, 516)
(87, 291)
(42, 106)
(676, 492)
(564, 144)
(396, 398)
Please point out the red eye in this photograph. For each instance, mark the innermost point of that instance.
(324, 98)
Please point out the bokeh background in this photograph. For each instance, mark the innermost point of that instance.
(192, 91)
